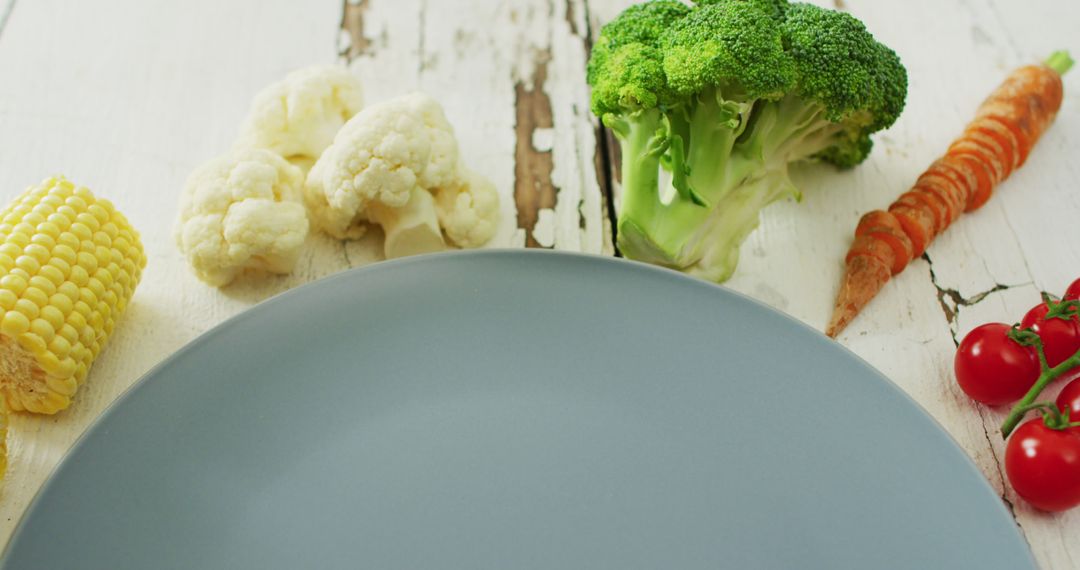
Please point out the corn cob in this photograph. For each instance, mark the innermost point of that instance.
(69, 264)
(3, 439)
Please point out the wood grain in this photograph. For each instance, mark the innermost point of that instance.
(508, 75)
(533, 190)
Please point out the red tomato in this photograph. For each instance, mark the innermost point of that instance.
(1043, 465)
(1060, 337)
(1069, 399)
(1073, 292)
(992, 368)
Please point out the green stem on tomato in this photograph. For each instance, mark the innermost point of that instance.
(1028, 402)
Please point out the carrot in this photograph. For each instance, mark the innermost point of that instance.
(998, 141)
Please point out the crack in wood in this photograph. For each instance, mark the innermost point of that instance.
(606, 147)
(533, 187)
(352, 22)
(997, 464)
(951, 300)
(570, 21)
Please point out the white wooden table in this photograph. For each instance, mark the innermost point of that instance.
(127, 96)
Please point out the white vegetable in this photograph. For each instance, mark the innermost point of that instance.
(411, 229)
(242, 212)
(468, 210)
(299, 116)
(396, 156)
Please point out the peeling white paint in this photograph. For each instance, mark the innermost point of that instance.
(518, 238)
(544, 231)
(543, 140)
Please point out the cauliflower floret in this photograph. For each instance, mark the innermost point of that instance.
(381, 155)
(241, 212)
(411, 229)
(299, 116)
(468, 210)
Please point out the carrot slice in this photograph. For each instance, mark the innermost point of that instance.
(917, 224)
(1023, 139)
(983, 174)
(962, 182)
(934, 206)
(996, 149)
(868, 246)
(966, 176)
(884, 227)
(981, 154)
(1001, 137)
(946, 192)
(928, 212)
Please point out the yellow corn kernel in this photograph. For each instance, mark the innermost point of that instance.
(56, 241)
(7, 299)
(34, 295)
(56, 271)
(19, 237)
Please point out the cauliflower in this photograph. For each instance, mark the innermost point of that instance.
(469, 209)
(298, 116)
(411, 229)
(396, 164)
(242, 212)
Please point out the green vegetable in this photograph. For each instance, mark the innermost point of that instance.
(711, 103)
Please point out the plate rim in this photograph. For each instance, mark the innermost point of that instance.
(393, 264)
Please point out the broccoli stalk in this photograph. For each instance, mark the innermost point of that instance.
(711, 104)
(739, 168)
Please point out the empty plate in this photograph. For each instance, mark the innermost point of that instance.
(510, 410)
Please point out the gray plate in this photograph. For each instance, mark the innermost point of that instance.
(510, 410)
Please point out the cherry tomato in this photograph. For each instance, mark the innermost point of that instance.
(1073, 292)
(1069, 399)
(1060, 337)
(1043, 465)
(992, 368)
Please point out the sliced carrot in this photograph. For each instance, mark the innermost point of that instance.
(974, 175)
(963, 182)
(1023, 138)
(1006, 127)
(917, 224)
(982, 155)
(1001, 137)
(867, 246)
(996, 148)
(884, 227)
(863, 278)
(946, 192)
(932, 204)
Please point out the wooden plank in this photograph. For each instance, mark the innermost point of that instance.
(128, 106)
(509, 76)
(988, 267)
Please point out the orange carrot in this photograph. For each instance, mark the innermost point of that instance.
(993, 145)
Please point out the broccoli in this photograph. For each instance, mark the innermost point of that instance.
(711, 103)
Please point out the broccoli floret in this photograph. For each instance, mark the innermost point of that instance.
(774, 8)
(710, 105)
